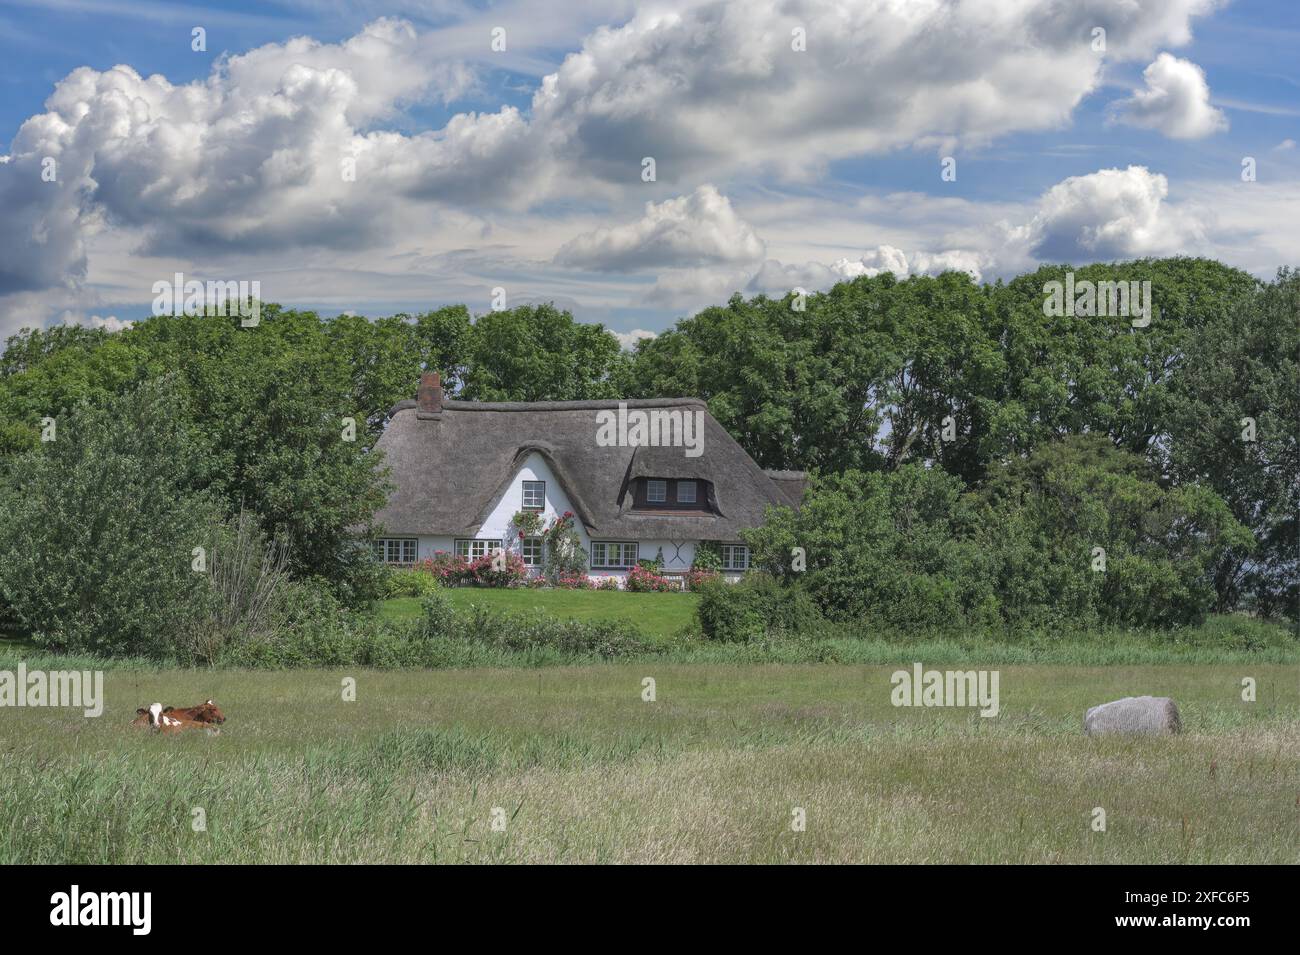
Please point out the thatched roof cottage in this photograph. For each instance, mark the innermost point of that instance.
(644, 479)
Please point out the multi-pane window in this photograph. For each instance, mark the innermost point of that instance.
(607, 554)
(735, 557)
(531, 550)
(534, 495)
(395, 550)
(473, 549)
(671, 494)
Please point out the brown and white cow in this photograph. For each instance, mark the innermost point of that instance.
(205, 712)
(166, 722)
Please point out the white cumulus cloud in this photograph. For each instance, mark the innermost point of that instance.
(250, 158)
(629, 339)
(1175, 101)
(775, 277)
(110, 323)
(718, 85)
(253, 157)
(1110, 214)
(689, 231)
(251, 164)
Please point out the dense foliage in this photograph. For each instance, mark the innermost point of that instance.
(754, 609)
(442, 635)
(941, 373)
(98, 527)
(1076, 533)
(972, 455)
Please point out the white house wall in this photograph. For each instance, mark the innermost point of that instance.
(511, 502)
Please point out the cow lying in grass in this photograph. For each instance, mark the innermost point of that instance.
(169, 721)
(206, 713)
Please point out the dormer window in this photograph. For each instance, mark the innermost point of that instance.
(534, 495)
(665, 495)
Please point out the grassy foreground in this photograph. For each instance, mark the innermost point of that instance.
(583, 770)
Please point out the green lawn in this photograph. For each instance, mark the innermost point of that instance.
(583, 769)
(656, 615)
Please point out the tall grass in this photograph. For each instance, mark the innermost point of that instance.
(447, 634)
(582, 769)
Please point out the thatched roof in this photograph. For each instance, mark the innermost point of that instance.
(791, 483)
(451, 468)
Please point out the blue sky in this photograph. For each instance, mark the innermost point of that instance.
(776, 167)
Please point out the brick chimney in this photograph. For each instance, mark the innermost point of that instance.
(428, 398)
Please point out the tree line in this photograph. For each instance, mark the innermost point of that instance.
(970, 451)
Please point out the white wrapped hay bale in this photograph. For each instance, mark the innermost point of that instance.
(1150, 715)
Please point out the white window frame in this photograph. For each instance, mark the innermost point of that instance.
(730, 553)
(474, 547)
(693, 498)
(534, 544)
(652, 483)
(602, 548)
(532, 486)
(395, 550)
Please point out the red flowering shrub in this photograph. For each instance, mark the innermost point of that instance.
(695, 579)
(450, 570)
(574, 582)
(642, 580)
(482, 573)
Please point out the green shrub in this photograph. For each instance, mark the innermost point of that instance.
(438, 618)
(708, 557)
(912, 550)
(409, 582)
(755, 609)
(98, 529)
(895, 548)
(1237, 631)
(313, 628)
(1046, 518)
(320, 632)
(247, 584)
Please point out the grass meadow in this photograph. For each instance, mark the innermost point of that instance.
(658, 616)
(581, 769)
